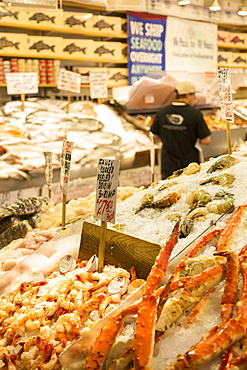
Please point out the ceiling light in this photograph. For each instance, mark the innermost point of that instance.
(183, 2)
(243, 9)
(215, 6)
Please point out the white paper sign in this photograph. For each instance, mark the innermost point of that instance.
(48, 168)
(69, 81)
(225, 94)
(22, 83)
(106, 189)
(33, 5)
(98, 84)
(125, 5)
(152, 154)
(190, 46)
(65, 166)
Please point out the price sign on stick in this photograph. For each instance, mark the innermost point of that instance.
(69, 81)
(64, 175)
(225, 95)
(105, 205)
(48, 171)
(106, 189)
(22, 83)
(98, 84)
(152, 156)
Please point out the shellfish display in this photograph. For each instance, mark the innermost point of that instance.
(185, 303)
(179, 325)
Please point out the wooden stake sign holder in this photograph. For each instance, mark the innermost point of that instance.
(121, 250)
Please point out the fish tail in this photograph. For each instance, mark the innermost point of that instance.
(112, 52)
(112, 27)
(52, 19)
(52, 48)
(15, 15)
(16, 45)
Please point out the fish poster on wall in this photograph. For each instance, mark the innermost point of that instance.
(146, 44)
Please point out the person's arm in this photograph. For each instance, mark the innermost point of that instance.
(157, 139)
(206, 140)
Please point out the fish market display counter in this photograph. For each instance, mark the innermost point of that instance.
(134, 171)
(218, 145)
(96, 130)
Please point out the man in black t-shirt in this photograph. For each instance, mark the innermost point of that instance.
(178, 126)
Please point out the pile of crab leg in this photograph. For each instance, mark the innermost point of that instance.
(160, 308)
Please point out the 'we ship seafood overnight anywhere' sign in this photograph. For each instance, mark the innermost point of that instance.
(146, 44)
(106, 189)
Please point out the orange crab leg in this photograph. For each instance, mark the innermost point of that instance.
(145, 333)
(224, 336)
(231, 287)
(229, 298)
(212, 347)
(146, 310)
(228, 357)
(164, 291)
(159, 268)
(147, 314)
(228, 232)
(104, 341)
(239, 363)
(195, 288)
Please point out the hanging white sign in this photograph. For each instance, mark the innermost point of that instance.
(126, 5)
(190, 46)
(22, 83)
(33, 5)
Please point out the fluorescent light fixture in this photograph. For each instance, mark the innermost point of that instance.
(215, 6)
(243, 9)
(183, 2)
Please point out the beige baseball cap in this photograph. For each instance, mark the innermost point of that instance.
(186, 87)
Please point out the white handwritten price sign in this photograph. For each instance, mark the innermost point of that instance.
(48, 171)
(106, 191)
(98, 84)
(65, 166)
(225, 94)
(69, 81)
(22, 83)
(152, 156)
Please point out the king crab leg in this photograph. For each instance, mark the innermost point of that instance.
(220, 337)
